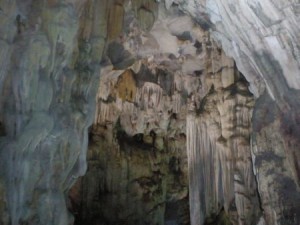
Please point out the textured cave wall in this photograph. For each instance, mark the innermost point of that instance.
(162, 89)
(133, 179)
(218, 147)
(263, 38)
(49, 57)
(137, 155)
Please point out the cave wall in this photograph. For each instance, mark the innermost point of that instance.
(171, 97)
(263, 38)
(49, 74)
(218, 147)
(51, 55)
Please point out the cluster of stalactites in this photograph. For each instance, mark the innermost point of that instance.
(219, 158)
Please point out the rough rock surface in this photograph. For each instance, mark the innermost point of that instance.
(220, 167)
(263, 38)
(50, 59)
(181, 89)
(49, 75)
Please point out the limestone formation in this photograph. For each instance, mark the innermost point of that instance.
(171, 124)
(180, 112)
(49, 75)
(263, 38)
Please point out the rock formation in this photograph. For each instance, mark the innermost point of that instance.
(148, 111)
(174, 122)
(49, 75)
(263, 38)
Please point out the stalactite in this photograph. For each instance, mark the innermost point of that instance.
(218, 149)
(177, 102)
(151, 96)
(196, 212)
